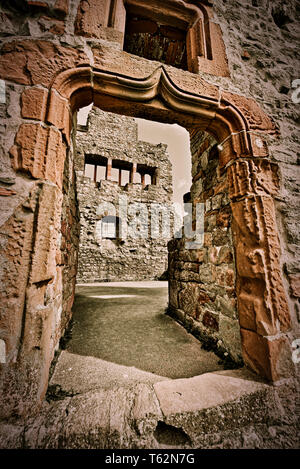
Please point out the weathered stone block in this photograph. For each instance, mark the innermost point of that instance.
(37, 62)
(269, 357)
(207, 273)
(47, 229)
(259, 145)
(91, 17)
(223, 218)
(59, 114)
(227, 306)
(253, 177)
(34, 101)
(187, 299)
(255, 116)
(257, 261)
(174, 288)
(229, 333)
(16, 246)
(61, 7)
(39, 151)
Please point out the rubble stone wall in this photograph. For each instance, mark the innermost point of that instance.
(132, 258)
(202, 291)
(69, 237)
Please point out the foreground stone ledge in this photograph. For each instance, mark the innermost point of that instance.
(227, 409)
(205, 391)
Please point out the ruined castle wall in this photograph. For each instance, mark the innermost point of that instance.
(132, 258)
(69, 237)
(264, 64)
(59, 55)
(202, 293)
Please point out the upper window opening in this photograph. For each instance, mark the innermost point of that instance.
(153, 40)
(95, 167)
(122, 170)
(170, 32)
(100, 168)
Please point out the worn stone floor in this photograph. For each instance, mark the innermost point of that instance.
(121, 335)
(131, 377)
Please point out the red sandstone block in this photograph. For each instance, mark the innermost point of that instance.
(56, 153)
(31, 140)
(218, 65)
(227, 154)
(58, 113)
(47, 228)
(39, 151)
(204, 146)
(271, 358)
(256, 269)
(13, 65)
(252, 112)
(91, 16)
(33, 103)
(37, 62)
(258, 145)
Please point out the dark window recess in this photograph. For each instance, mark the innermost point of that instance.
(121, 171)
(147, 174)
(95, 167)
(151, 40)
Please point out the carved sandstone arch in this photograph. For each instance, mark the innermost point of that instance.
(236, 122)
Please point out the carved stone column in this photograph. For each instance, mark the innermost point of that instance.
(262, 304)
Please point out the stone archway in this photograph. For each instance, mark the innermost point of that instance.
(35, 325)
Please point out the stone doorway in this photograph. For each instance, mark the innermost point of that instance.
(57, 56)
(91, 140)
(201, 281)
(239, 126)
